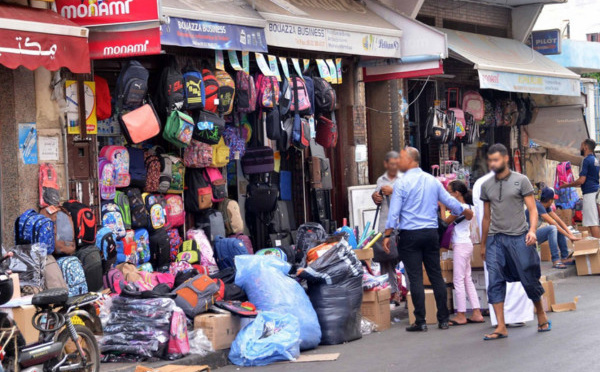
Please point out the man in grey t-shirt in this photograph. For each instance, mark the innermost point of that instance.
(508, 243)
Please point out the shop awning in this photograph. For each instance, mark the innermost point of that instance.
(41, 38)
(509, 65)
(560, 129)
(216, 24)
(333, 26)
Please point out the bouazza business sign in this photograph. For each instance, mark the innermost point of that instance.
(108, 12)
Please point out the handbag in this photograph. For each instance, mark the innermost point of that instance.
(262, 198)
(140, 124)
(379, 254)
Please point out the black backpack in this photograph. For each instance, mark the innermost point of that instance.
(273, 124)
(194, 95)
(132, 87)
(139, 214)
(91, 261)
(170, 90)
(324, 96)
(137, 167)
(160, 250)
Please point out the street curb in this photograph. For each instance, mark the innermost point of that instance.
(555, 274)
(214, 360)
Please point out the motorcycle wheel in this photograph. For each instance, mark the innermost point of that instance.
(88, 345)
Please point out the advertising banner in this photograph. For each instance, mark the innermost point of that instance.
(108, 12)
(117, 44)
(512, 82)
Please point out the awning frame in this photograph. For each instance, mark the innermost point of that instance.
(43, 28)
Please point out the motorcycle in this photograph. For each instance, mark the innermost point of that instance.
(66, 341)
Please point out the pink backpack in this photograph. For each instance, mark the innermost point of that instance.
(179, 267)
(119, 157)
(246, 92)
(175, 210)
(197, 155)
(206, 252)
(114, 280)
(298, 89)
(106, 175)
(178, 335)
(217, 183)
(267, 91)
(474, 105)
(459, 116)
(163, 278)
(564, 174)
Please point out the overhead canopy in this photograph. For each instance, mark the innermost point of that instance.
(334, 26)
(222, 11)
(509, 65)
(560, 129)
(41, 38)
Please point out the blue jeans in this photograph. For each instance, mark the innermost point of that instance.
(556, 241)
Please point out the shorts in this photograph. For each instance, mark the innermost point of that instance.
(590, 210)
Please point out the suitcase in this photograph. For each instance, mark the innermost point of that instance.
(258, 160)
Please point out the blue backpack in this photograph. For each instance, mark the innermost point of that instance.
(132, 86)
(74, 275)
(310, 88)
(142, 238)
(31, 227)
(226, 249)
(106, 242)
(137, 167)
(194, 94)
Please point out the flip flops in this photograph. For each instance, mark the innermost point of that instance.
(454, 323)
(559, 265)
(541, 329)
(470, 321)
(498, 336)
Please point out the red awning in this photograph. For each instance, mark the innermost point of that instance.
(41, 38)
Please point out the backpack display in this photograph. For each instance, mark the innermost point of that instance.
(196, 295)
(209, 128)
(211, 90)
(197, 155)
(207, 258)
(189, 252)
(246, 92)
(103, 99)
(325, 97)
(267, 91)
(309, 236)
(48, 185)
(327, 132)
(137, 167)
(119, 157)
(226, 249)
(74, 275)
(53, 277)
(31, 227)
(233, 140)
(153, 167)
(261, 198)
(122, 202)
(232, 217)
(220, 156)
(197, 192)
(175, 242)
(139, 214)
(106, 243)
(211, 221)
(166, 173)
(112, 218)
(258, 160)
(142, 240)
(300, 100)
(472, 103)
(177, 175)
(159, 249)
(226, 92)
(217, 183)
(194, 97)
(170, 90)
(156, 211)
(91, 263)
(106, 175)
(64, 232)
(179, 129)
(244, 239)
(84, 222)
(175, 210)
(132, 87)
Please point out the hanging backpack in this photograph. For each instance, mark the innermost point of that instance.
(232, 216)
(196, 295)
(267, 91)
(194, 96)
(103, 104)
(236, 144)
(170, 90)
(300, 100)
(285, 97)
(189, 252)
(258, 160)
(211, 90)
(64, 232)
(310, 88)
(309, 235)
(175, 210)
(217, 183)
(261, 198)
(246, 92)
(300, 132)
(160, 249)
(273, 124)
(220, 156)
(137, 167)
(327, 132)
(209, 128)
(84, 222)
(226, 249)
(142, 240)
(106, 243)
(564, 174)
(131, 88)
(119, 157)
(156, 211)
(197, 192)
(106, 175)
(164, 181)
(179, 129)
(48, 185)
(175, 242)
(472, 103)
(91, 262)
(139, 215)
(207, 258)
(460, 122)
(325, 97)
(122, 202)
(197, 155)
(112, 218)
(153, 168)
(177, 175)
(244, 239)
(211, 222)
(74, 275)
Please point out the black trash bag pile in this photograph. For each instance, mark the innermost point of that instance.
(335, 291)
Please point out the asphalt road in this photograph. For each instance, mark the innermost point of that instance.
(571, 345)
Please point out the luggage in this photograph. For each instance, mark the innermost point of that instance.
(106, 243)
(320, 173)
(112, 218)
(262, 198)
(189, 252)
(106, 175)
(244, 239)
(326, 181)
(122, 202)
(325, 97)
(131, 88)
(283, 218)
(226, 92)
(217, 183)
(91, 263)
(245, 92)
(53, 275)
(208, 128)
(175, 210)
(226, 249)
(139, 215)
(197, 155)
(119, 157)
(48, 185)
(220, 156)
(194, 95)
(211, 222)
(258, 160)
(142, 241)
(74, 275)
(195, 296)
(232, 217)
(84, 222)
(175, 243)
(197, 192)
(179, 129)
(140, 124)
(327, 132)
(137, 167)
(160, 249)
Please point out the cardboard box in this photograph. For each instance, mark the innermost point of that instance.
(430, 308)
(220, 329)
(476, 260)
(587, 261)
(586, 244)
(448, 275)
(446, 254)
(548, 299)
(478, 279)
(545, 254)
(173, 368)
(22, 315)
(16, 286)
(481, 295)
(566, 215)
(376, 307)
(364, 254)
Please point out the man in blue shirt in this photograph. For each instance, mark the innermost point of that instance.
(414, 212)
(589, 175)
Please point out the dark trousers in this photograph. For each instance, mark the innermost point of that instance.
(418, 248)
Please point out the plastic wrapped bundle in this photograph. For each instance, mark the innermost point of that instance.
(29, 261)
(335, 291)
(265, 281)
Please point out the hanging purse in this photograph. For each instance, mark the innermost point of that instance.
(140, 124)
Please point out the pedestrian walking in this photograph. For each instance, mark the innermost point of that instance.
(414, 212)
(508, 243)
(462, 248)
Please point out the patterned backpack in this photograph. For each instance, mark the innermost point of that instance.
(237, 146)
(112, 218)
(206, 252)
(226, 92)
(175, 210)
(139, 215)
(106, 174)
(156, 210)
(177, 174)
(152, 163)
(175, 242)
(142, 239)
(122, 202)
(246, 92)
(267, 91)
(197, 155)
(31, 227)
(74, 275)
(211, 90)
(106, 242)
(119, 157)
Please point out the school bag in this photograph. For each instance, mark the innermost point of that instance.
(211, 221)
(325, 96)
(245, 92)
(460, 122)
(177, 174)
(207, 257)
(74, 275)
(197, 155)
(103, 99)
(194, 97)
(309, 235)
(179, 129)
(112, 218)
(153, 169)
(175, 242)
(244, 239)
(258, 160)
(310, 88)
(233, 140)
(64, 232)
(131, 88)
(217, 183)
(139, 215)
(209, 128)
(327, 132)
(196, 295)
(91, 262)
(170, 90)
(175, 210)
(106, 243)
(285, 97)
(106, 173)
(300, 100)
(114, 280)
(142, 240)
(189, 252)
(197, 192)
(32, 227)
(53, 277)
(127, 249)
(48, 185)
(261, 198)
(84, 222)
(472, 103)
(273, 125)
(564, 174)
(160, 249)
(211, 90)
(267, 91)
(232, 217)
(166, 173)
(226, 92)
(119, 157)
(220, 156)
(122, 202)
(226, 249)
(300, 132)
(156, 211)
(137, 167)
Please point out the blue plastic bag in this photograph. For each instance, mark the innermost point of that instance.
(270, 338)
(265, 281)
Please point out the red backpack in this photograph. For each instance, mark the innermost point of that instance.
(211, 90)
(103, 100)
(175, 210)
(246, 92)
(84, 222)
(48, 181)
(327, 133)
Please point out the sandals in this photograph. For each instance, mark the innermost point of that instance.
(559, 265)
(454, 323)
(471, 321)
(541, 326)
(497, 334)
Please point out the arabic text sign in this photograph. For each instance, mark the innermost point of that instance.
(511, 82)
(107, 12)
(210, 35)
(334, 41)
(124, 43)
(546, 41)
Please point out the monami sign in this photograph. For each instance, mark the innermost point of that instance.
(106, 12)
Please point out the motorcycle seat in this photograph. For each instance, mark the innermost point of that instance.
(52, 296)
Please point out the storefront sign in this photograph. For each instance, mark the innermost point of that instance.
(334, 41)
(117, 44)
(28, 143)
(108, 12)
(211, 35)
(513, 82)
(546, 41)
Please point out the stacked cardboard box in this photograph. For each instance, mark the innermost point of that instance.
(481, 295)
(220, 329)
(430, 308)
(548, 299)
(376, 307)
